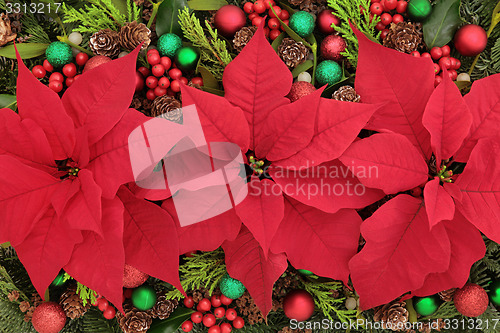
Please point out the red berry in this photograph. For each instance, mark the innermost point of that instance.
(426, 55)
(284, 15)
(445, 62)
(225, 328)
(248, 8)
(259, 6)
(384, 33)
(152, 51)
(285, 22)
(154, 58)
(238, 322)
(144, 71)
(96, 302)
(380, 26)
(159, 91)
(166, 62)
(269, 3)
(190, 254)
(437, 80)
(187, 326)
(446, 50)
(158, 70)
(209, 320)
(39, 72)
(48, 67)
(436, 53)
(215, 300)
(69, 70)
(225, 300)
(81, 58)
(151, 82)
(231, 314)
(391, 4)
(256, 21)
(196, 317)
(164, 82)
(252, 16)
(455, 63)
(151, 94)
(219, 312)
(56, 86)
(56, 76)
(197, 80)
(76, 77)
(376, 8)
(109, 313)
(69, 81)
(278, 11)
(184, 80)
(266, 31)
(382, 2)
(437, 69)
(415, 54)
(214, 329)
(386, 19)
(188, 301)
(397, 18)
(401, 7)
(175, 73)
(204, 305)
(274, 34)
(273, 23)
(454, 74)
(128, 292)
(102, 304)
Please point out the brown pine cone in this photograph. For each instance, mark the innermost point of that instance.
(6, 34)
(447, 295)
(105, 42)
(168, 107)
(246, 306)
(139, 2)
(134, 320)
(132, 34)
(346, 94)
(404, 37)
(311, 6)
(288, 281)
(292, 53)
(242, 37)
(72, 304)
(393, 315)
(24, 306)
(200, 294)
(13, 295)
(136, 103)
(163, 307)
(36, 300)
(15, 21)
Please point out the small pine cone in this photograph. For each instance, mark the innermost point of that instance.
(246, 306)
(393, 315)
(292, 53)
(105, 42)
(134, 320)
(242, 37)
(447, 295)
(313, 7)
(6, 33)
(139, 2)
(15, 21)
(346, 94)
(404, 37)
(24, 306)
(194, 85)
(163, 307)
(13, 295)
(168, 107)
(132, 34)
(136, 103)
(200, 294)
(72, 304)
(288, 281)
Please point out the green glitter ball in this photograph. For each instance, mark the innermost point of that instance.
(425, 306)
(168, 44)
(419, 10)
(59, 54)
(231, 288)
(495, 292)
(302, 23)
(186, 58)
(328, 72)
(144, 297)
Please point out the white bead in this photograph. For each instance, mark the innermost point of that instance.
(75, 38)
(304, 76)
(350, 303)
(122, 54)
(463, 77)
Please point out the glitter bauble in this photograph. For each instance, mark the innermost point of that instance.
(231, 288)
(302, 23)
(132, 277)
(332, 47)
(325, 21)
(168, 44)
(229, 19)
(298, 305)
(300, 89)
(95, 61)
(48, 317)
(471, 300)
(328, 72)
(59, 54)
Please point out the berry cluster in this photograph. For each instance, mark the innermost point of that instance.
(213, 320)
(390, 11)
(442, 59)
(108, 310)
(254, 10)
(57, 80)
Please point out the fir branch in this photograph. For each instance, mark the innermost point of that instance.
(7, 285)
(489, 321)
(32, 27)
(133, 11)
(94, 322)
(12, 319)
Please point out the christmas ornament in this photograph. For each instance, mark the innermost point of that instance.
(426, 306)
(59, 54)
(168, 44)
(332, 47)
(471, 300)
(132, 277)
(470, 40)
(144, 298)
(59, 280)
(325, 21)
(229, 19)
(305, 271)
(304, 76)
(186, 58)
(94, 62)
(494, 293)
(300, 89)
(298, 304)
(48, 317)
(75, 38)
(419, 10)
(328, 72)
(302, 23)
(231, 288)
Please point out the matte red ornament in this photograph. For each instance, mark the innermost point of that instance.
(325, 20)
(332, 47)
(298, 305)
(300, 89)
(470, 40)
(48, 317)
(94, 62)
(229, 19)
(132, 277)
(139, 81)
(471, 300)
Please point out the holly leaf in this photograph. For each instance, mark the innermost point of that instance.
(438, 203)
(441, 25)
(167, 18)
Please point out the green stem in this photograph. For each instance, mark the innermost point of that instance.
(65, 39)
(411, 310)
(153, 14)
(58, 20)
(314, 49)
(490, 30)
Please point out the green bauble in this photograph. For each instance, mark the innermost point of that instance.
(495, 292)
(425, 306)
(305, 272)
(168, 44)
(231, 288)
(59, 280)
(328, 72)
(302, 23)
(186, 58)
(419, 10)
(144, 297)
(59, 54)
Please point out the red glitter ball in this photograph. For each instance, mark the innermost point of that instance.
(299, 90)
(332, 47)
(48, 317)
(471, 301)
(95, 61)
(132, 277)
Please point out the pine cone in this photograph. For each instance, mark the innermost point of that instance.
(288, 281)
(13, 295)
(24, 306)
(132, 34)
(134, 320)
(168, 107)
(311, 6)
(292, 52)
(346, 94)
(242, 37)
(246, 306)
(404, 37)
(136, 103)
(163, 307)
(139, 2)
(6, 34)
(105, 42)
(36, 300)
(392, 315)
(200, 294)
(72, 304)
(15, 21)
(447, 295)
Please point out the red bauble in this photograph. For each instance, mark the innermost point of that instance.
(325, 20)
(299, 305)
(95, 61)
(132, 277)
(472, 300)
(470, 40)
(300, 89)
(48, 317)
(229, 19)
(332, 47)
(139, 81)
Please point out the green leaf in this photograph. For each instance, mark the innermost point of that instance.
(172, 323)
(213, 91)
(276, 43)
(26, 50)
(121, 5)
(440, 27)
(208, 78)
(8, 101)
(167, 17)
(496, 16)
(348, 81)
(206, 4)
(302, 68)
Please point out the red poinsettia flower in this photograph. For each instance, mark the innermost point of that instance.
(423, 244)
(62, 162)
(280, 139)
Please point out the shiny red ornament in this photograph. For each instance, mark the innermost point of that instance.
(470, 40)
(139, 81)
(325, 20)
(332, 47)
(48, 317)
(132, 277)
(471, 300)
(39, 72)
(300, 89)
(299, 305)
(95, 62)
(229, 19)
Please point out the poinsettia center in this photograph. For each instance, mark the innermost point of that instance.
(68, 168)
(256, 165)
(445, 175)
